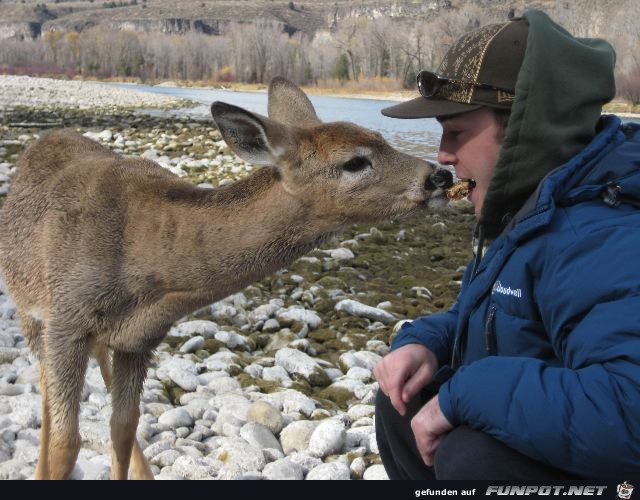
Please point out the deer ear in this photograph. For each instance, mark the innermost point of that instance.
(290, 105)
(252, 137)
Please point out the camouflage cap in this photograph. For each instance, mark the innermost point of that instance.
(489, 56)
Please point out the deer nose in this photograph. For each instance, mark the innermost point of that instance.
(442, 179)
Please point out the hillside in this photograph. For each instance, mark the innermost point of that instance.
(32, 18)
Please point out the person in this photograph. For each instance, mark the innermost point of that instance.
(534, 373)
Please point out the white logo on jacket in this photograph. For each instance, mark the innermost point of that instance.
(514, 292)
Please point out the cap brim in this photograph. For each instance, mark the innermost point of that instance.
(427, 108)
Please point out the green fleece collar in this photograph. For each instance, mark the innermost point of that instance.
(561, 88)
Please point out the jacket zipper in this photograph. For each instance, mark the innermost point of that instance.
(489, 331)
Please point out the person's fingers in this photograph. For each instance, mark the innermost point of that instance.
(390, 379)
(427, 447)
(395, 394)
(417, 381)
(379, 373)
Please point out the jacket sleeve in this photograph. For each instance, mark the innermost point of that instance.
(435, 332)
(583, 417)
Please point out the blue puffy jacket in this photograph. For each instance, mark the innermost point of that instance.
(548, 326)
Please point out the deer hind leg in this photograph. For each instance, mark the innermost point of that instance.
(32, 330)
(63, 368)
(139, 467)
(129, 372)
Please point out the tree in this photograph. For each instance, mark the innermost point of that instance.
(342, 68)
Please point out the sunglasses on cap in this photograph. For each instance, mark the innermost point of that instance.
(429, 83)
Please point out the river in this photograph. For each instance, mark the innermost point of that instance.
(417, 137)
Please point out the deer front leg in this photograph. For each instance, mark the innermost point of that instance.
(139, 467)
(64, 365)
(129, 372)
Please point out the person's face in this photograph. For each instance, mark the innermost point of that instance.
(471, 144)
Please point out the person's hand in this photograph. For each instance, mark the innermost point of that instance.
(403, 372)
(429, 427)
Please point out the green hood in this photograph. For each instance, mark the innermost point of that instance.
(561, 88)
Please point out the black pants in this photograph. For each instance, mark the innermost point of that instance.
(463, 454)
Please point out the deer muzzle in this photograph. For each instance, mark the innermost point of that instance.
(440, 179)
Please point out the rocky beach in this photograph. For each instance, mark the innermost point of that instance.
(273, 382)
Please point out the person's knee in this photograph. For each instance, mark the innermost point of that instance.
(464, 454)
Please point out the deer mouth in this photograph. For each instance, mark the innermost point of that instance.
(440, 179)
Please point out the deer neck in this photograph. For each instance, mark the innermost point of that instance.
(238, 234)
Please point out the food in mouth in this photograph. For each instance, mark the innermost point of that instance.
(461, 189)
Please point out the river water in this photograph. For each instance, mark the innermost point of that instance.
(418, 137)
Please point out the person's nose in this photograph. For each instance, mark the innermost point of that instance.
(446, 157)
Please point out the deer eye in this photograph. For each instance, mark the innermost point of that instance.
(356, 164)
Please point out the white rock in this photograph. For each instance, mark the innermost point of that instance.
(266, 414)
(223, 311)
(206, 329)
(340, 253)
(331, 471)
(231, 339)
(347, 384)
(272, 454)
(373, 444)
(356, 308)
(26, 410)
(359, 373)
(357, 437)
(231, 417)
(13, 470)
(296, 436)
(277, 373)
(196, 468)
(178, 417)
(304, 460)
(259, 436)
(238, 457)
(197, 407)
(375, 472)
(327, 439)
(292, 314)
(291, 401)
(91, 469)
(221, 361)
(221, 385)
(357, 467)
(153, 450)
(359, 411)
(25, 451)
(193, 344)
(265, 311)
(283, 469)
(254, 369)
(302, 365)
(271, 325)
(166, 458)
(9, 354)
(180, 371)
(96, 434)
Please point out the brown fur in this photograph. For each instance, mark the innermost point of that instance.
(102, 252)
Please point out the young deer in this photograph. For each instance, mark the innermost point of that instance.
(103, 252)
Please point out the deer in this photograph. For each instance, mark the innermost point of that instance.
(102, 253)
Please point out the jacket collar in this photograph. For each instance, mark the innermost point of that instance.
(563, 184)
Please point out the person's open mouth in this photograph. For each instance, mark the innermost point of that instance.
(461, 189)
